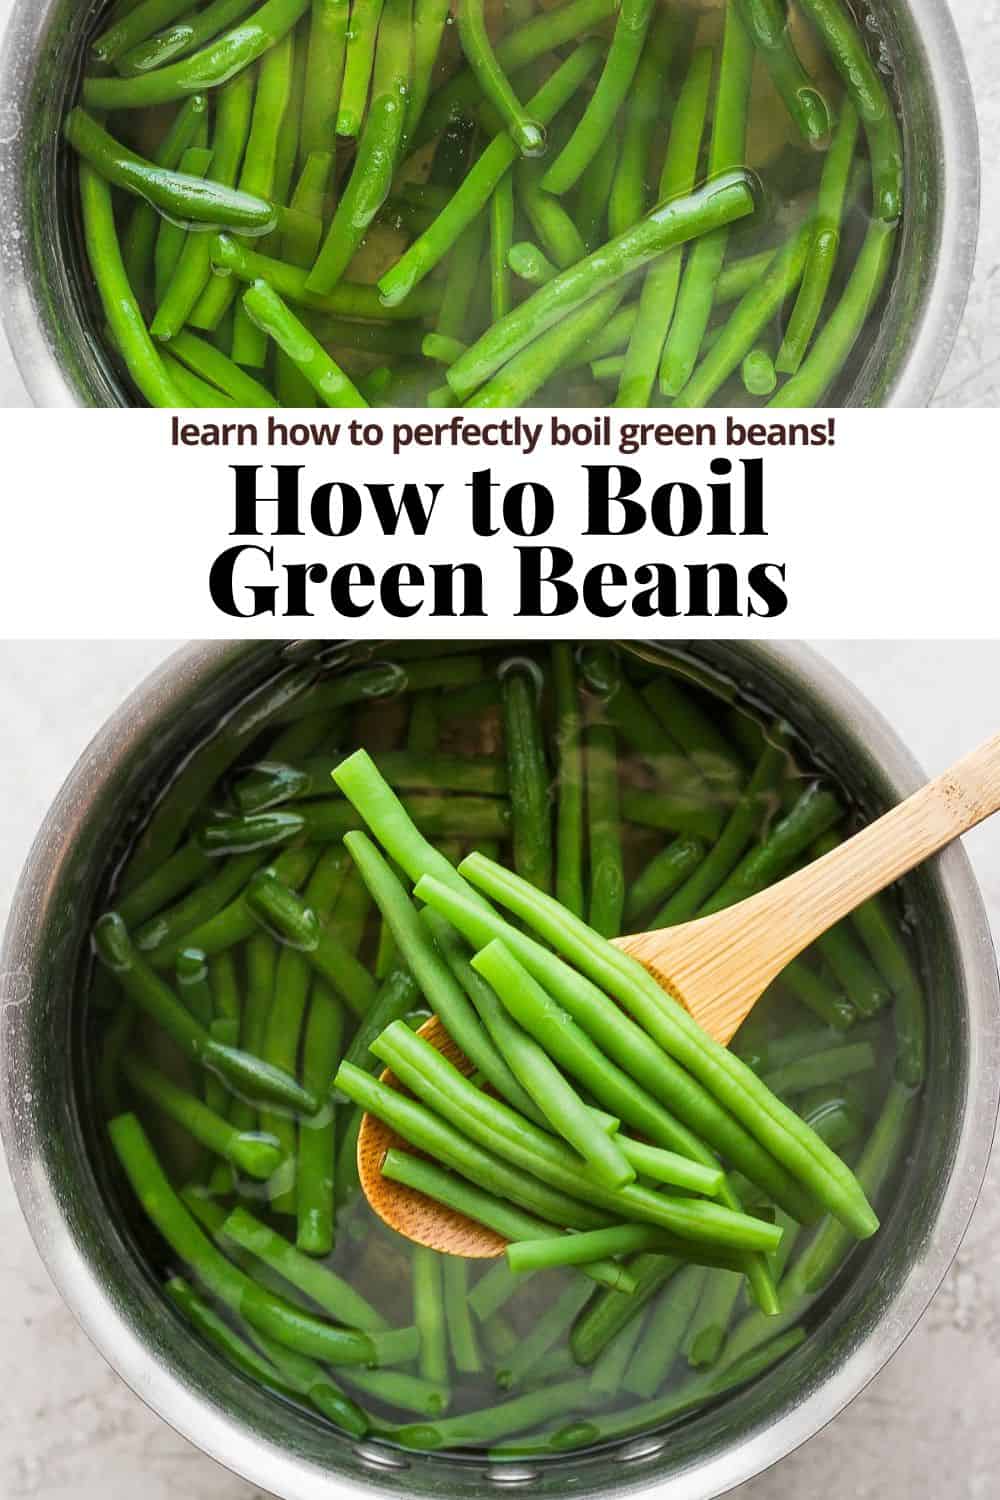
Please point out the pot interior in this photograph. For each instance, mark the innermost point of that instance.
(101, 1268)
(53, 320)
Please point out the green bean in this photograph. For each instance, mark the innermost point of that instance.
(442, 348)
(276, 319)
(387, 818)
(140, 22)
(493, 1290)
(614, 335)
(117, 298)
(550, 1091)
(310, 1380)
(466, 1198)
(644, 104)
(171, 238)
(608, 1371)
(757, 371)
(256, 1155)
(478, 1428)
(557, 231)
(325, 57)
(501, 212)
(530, 264)
(216, 1330)
(462, 1336)
(191, 977)
(664, 1333)
(620, 1038)
(591, 204)
(398, 1388)
(815, 992)
(472, 196)
(207, 68)
(825, 242)
(361, 47)
(315, 1187)
(241, 1070)
(184, 36)
(423, 1129)
(767, 23)
(348, 299)
(378, 144)
(578, 1249)
(724, 199)
(281, 1320)
(429, 1313)
(839, 334)
(212, 364)
(609, 93)
(430, 17)
(395, 998)
(673, 813)
(528, 776)
(419, 952)
(611, 1310)
(260, 964)
(746, 818)
(235, 922)
(385, 679)
(322, 1286)
(823, 1256)
(664, 873)
(815, 810)
(659, 289)
(853, 970)
(188, 198)
(749, 318)
(225, 988)
(461, 279)
(280, 909)
(827, 1066)
(607, 870)
(833, 1116)
(740, 275)
(670, 1025)
(726, 151)
(200, 904)
(672, 1168)
(549, 1329)
(709, 1326)
(893, 962)
(569, 811)
(525, 131)
(177, 873)
(868, 94)
(518, 380)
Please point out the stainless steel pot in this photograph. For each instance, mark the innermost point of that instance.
(83, 1239)
(48, 314)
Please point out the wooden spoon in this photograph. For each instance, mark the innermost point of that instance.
(719, 966)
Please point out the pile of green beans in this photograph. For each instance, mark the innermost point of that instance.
(457, 831)
(559, 202)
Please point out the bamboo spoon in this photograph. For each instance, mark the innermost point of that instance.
(718, 967)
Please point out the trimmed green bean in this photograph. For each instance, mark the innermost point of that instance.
(767, 23)
(324, 1287)
(526, 132)
(430, 18)
(609, 1312)
(569, 808)
(361, 48)
(280, 908)
(326, 52)
(256, 1155)
(462, 1337)
(726, 198)
(528, 776)
(667, 1324)
(479, 1428)
(607, 870)
(428, 1313)
(269, 313)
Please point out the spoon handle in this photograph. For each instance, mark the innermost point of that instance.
(806, 904)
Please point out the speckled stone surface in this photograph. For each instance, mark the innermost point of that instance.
(972, 376)
(925, 1430)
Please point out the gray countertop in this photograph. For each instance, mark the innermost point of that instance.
(972, 376)
(925, 1428)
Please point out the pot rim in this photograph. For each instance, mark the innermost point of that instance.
(931, 336)
(266, 1464)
